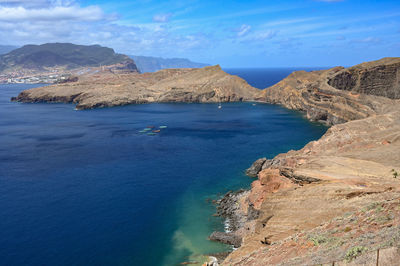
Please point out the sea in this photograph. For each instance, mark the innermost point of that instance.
(90, 188)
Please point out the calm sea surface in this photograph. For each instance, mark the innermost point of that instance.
(87, 188)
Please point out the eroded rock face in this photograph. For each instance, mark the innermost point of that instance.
(339, 95)
(256, 167)
(105, 89)
(226, 238)
(381, 78)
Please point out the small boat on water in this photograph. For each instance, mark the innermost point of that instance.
(156, 131)
(150, 126)
(219, 106)
(147, 129)
(162, 126)
(151, 134)
(143, 131)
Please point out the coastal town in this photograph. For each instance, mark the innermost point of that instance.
(36, 79)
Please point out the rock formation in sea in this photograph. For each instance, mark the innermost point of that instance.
(338, 198)
(105, 89)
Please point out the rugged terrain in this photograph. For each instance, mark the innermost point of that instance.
(105, 88)
(339, 94)
(337, 199)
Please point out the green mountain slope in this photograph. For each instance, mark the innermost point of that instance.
(70, 56)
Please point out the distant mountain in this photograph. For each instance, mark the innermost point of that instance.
(61, 55)
(6, 48)
(153, 64)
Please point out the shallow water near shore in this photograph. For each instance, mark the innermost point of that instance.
(87, 188)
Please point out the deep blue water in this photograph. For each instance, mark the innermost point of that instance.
(86, 188)
(262, 78)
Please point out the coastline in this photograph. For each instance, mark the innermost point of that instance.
(349, 168)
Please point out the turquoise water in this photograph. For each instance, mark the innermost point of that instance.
(86, 188)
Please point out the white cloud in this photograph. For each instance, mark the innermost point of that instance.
(162, 18)
(368, 40)
(243, 30)
(36, 3)
(264, 35)
(56, 13)
(259, 35)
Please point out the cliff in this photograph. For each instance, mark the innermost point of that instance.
(105, 89)
(153, 64)
(339, 94)
(336, 198)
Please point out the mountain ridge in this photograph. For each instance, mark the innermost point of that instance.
(66, 56)
(153, 64)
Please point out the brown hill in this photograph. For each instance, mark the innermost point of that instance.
(339, 94)
(104, 89)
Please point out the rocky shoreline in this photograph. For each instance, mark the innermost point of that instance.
(228, 207)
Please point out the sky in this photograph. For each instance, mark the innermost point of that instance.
(233, 33)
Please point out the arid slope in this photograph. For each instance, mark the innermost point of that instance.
(339, 94)
(351, 167)
(104, 89)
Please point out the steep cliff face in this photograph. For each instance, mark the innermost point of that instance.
(209, 84)
(381, 78)
(339, 95)
(302, 196)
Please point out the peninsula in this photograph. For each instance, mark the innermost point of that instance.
(106, 89)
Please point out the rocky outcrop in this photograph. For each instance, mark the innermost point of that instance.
(339, 94)
(381, 78)
(105, 89)
(230, 209)
(226, 238)
(302, 196)
(256, 167)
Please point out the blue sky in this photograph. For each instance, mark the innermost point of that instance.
(231, 33)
